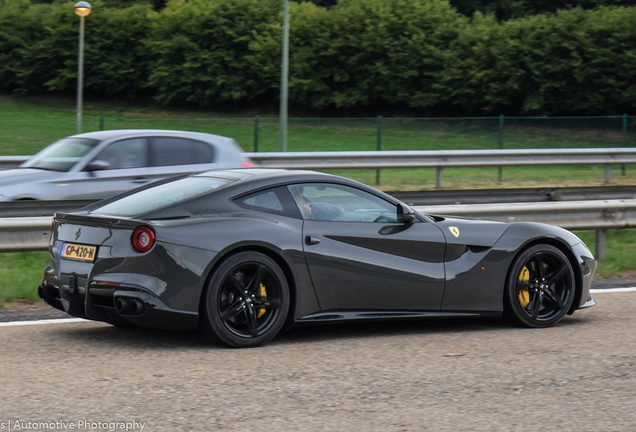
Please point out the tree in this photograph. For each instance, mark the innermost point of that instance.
(507, 9)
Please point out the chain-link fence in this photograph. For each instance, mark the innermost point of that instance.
(260, 134)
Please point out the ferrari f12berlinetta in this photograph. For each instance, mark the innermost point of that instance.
(243, 253)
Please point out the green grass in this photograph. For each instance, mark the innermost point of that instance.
(20, 275)
(29, 124)
(620, 255)
(21, 272)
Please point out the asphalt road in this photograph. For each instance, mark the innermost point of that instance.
(435, 375)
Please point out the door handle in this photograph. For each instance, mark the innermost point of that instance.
(310, 241)
(140, 180)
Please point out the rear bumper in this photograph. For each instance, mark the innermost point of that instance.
(157, 289)
(121, 305)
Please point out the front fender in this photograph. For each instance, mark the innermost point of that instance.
(476, 280)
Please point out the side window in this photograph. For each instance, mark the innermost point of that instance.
(167, 151)
(334, 202)
(201, 152)
(130, 153)
(265, 200)
(277, 201)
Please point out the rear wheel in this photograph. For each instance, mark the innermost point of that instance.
(540, 287)
(246, 301)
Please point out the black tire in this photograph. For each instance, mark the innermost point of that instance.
(540, 287)
(246, 301)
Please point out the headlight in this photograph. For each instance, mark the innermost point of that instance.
(587, 248)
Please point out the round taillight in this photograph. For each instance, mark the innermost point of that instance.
(143, 239)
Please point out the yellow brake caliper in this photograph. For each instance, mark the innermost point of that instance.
(524, 295)
(263, 293)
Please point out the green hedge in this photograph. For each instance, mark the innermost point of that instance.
(39, 43)
(576, 61)
(506, 9)
(419, 55)
(373, 52)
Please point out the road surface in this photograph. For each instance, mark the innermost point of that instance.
(431, 375)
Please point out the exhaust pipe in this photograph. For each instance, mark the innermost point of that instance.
(122, 305)
(129, 306)
(136, 307)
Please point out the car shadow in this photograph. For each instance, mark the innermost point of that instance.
(377, 329)
(148, 339)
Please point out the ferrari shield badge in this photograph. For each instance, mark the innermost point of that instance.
(454, 231)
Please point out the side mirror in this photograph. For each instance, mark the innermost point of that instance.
(97, 165)
(405, 214)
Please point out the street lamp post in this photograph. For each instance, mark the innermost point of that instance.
(82, 9)
(282, 128)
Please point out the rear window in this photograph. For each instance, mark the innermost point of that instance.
(179, 151)
(162, 195)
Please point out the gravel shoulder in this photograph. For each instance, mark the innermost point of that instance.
(429, 375)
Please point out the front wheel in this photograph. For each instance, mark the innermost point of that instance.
(246, 301)
(540, 287)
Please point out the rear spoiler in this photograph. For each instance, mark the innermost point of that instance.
(85, 219)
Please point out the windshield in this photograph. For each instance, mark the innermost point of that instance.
(162, 195)
(61, 155)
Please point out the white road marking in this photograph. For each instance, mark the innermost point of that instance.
(612, 290)
(39, 322)
(76, 320)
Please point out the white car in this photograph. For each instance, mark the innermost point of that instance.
(97, 165)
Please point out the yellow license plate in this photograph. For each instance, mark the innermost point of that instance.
(79, 252)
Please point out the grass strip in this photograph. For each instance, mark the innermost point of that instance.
(21, 272)
(29, 124)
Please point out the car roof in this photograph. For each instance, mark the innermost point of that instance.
(243, 181)
(124, 133)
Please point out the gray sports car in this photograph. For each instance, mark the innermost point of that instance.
(243, 253)
(98, 165)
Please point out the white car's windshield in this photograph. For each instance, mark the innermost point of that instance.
(61, 155)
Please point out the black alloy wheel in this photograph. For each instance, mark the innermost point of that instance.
(540, 287)
(246, 301)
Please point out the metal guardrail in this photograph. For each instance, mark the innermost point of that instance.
(571, 215)
(598, 215)
(516, 195)
(438, 159)
(426, 198)
(444, 158)
(26, 234)
(7, 162)
(33, 208)
(441, 159)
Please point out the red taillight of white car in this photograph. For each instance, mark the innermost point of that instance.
(143, 239)
(248, 164)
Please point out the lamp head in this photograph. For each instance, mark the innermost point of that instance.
(83, 8)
